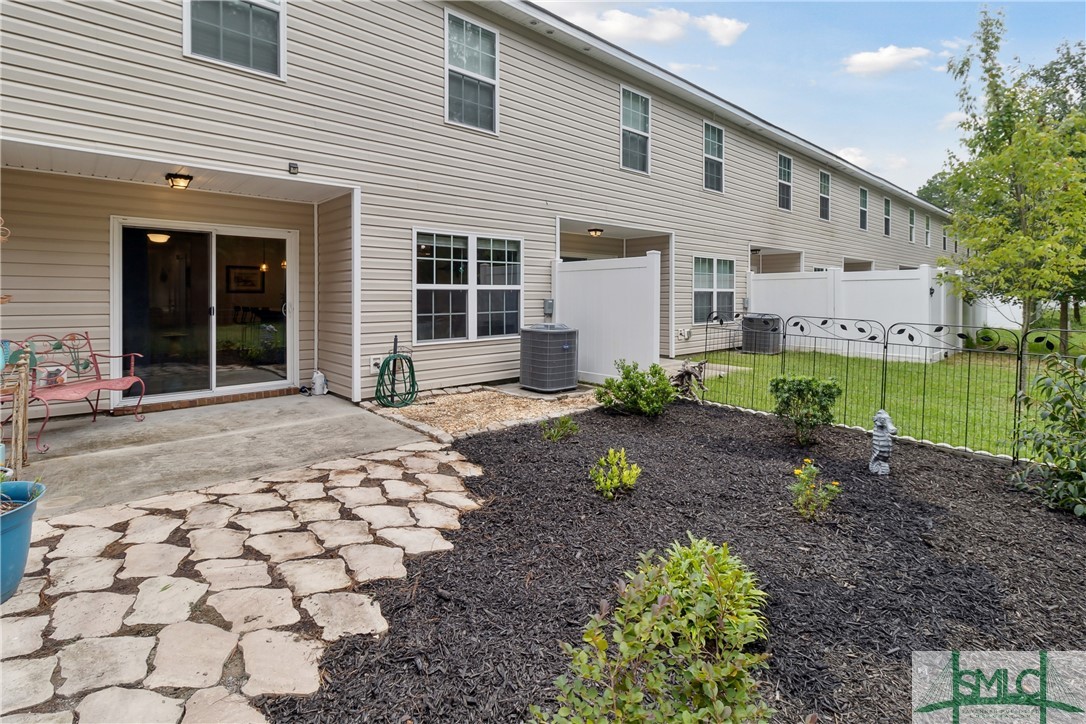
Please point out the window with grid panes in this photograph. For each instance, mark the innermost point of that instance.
(635, 131)
(784, 182)
(714, 288)
(245, 33)
(912, 226)
(886, 217)
(472, 75)
(863, 209)
(823, 195)
(714, 157)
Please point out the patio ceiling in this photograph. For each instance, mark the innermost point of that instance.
(610, 230)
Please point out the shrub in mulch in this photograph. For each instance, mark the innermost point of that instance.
(942, 554)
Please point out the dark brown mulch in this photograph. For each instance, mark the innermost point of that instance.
(942, 555)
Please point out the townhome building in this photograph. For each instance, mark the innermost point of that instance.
(247, 190)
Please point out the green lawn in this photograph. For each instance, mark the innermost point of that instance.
(968, 399)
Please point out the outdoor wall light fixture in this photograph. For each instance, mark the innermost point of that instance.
(595, 233)
(158, 238)
(178, 180)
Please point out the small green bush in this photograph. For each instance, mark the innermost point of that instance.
(811, 497)
(673, 650)
(641, 393)
(806, 401)
(612, 473)
(559, 429)
(1056, 441)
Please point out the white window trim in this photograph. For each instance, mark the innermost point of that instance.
(694, 290)
(827, 195)
(471, 287)
(863, 200)
(887, 216)
(927, 230)
(186, 41)
(944, 238)
(495, 80)
(723, 141)
(648, 136)
(912, 226)
(791, 187)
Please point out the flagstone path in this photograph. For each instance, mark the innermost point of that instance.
(183, 607)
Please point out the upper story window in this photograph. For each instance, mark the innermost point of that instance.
(714, 157)
(863, 209)
(784, 181)
(944, 238)
(927, 230)
(635, 130)
(467, 286)
(912, 225)
(823, 195)
(886, 217)
(471, 92)
(714, 288)
(244, 33)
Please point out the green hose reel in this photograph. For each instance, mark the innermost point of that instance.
(396, 384)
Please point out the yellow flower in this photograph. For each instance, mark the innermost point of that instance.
(835, 483)
(812, 486)
(797, 472)
(807, 460)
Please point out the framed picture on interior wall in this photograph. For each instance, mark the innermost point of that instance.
(244, 280)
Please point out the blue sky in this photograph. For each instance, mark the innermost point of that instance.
(866, 80)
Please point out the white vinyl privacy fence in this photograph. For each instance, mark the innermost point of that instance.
(615, 305)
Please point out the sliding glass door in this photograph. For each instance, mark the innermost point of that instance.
(207, 310)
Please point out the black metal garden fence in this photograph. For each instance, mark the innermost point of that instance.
(951, 384)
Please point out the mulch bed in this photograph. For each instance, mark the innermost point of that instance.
(943, 554)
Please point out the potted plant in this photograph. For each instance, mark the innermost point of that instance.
(18, 500)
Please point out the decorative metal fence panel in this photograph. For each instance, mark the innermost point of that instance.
(950, 384)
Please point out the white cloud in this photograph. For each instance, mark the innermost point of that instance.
(885, 59)
(939, 68)
(854, 155)
(684, 67)
(661, 25)
(954, 44)
(951, 120)
(723, 31)
(892, 162)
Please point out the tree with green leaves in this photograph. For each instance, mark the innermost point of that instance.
(934, 191)
(1019, 192)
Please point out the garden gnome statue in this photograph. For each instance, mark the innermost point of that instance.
(882, 443)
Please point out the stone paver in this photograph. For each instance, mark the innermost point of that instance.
(267, 521)
(90, 615)
(460, 501)
(150, 529)
(144, 560)
(241, 487)
(280, 662)
(83, 542)
(371, 562)
(208, 515)
(220, 543)
(217, 705)
(71, 575)
(416, 541)
(252, 502)
(190, 655)
(343, 614)
(300, 491)
(35, 559)
(336, 533)
(421, 446)
(437, 482)
(309, 511)
(280, 547)
(172, 501)
(27, 596)
(249, 609)
(466, 469)
(101, 669)
(22, 636)
(355, 497)
(97, 517)
(315, 576)
(433, 515)
(95, 663)
(385, 516)
(398, 490)
(224, 574)
(26, 682)
(164, 599)
(117, 705)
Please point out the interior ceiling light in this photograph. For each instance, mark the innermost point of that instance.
(158, 238)
(283, 264)
(595, 232)
(178, 180)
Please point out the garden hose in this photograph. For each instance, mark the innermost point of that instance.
(396, 385)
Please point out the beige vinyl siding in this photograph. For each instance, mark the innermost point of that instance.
(56, 262)
(364, 105)
(334, 294)
(777, 263)
(580, 246)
